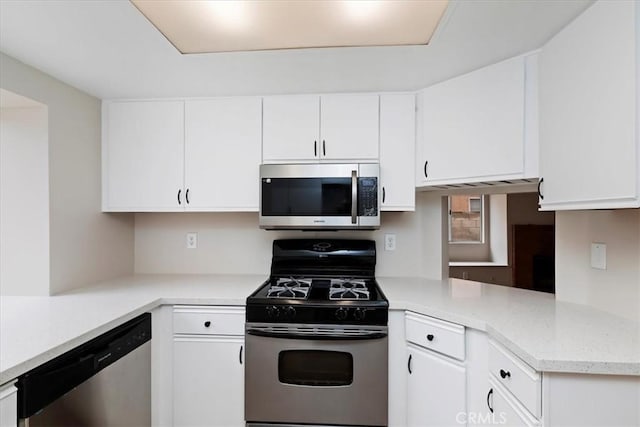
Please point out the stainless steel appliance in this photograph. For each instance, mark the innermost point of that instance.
(104, 382)
(316, 338)
(317, 196)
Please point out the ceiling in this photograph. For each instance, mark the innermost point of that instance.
(243, 25)
(110, 50)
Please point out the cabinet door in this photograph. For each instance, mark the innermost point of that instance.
(507, 410)
(143, 156)
(473, 126)
(589, 149)
(436, 393)
(208, 381)
(397, 151)
(349, 127)
(9, 405)
(222, 154)
(291, 128)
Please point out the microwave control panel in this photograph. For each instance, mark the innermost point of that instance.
(367, 196)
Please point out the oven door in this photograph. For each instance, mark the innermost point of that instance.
(310, 374)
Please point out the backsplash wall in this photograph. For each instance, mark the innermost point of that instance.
(232, 243)
(616, 289)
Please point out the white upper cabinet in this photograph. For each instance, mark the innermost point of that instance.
(589, 148)
(222, 153)
(349, 127)
(142, 167)
(397, 151)
(291, 130)
(195, 155)
(309, 128)
(472, 128)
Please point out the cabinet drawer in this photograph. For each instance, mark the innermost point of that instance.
(516, 376)
(438, 335)
(208, 320)
(507, 410)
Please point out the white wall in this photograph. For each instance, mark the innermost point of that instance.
(85, 244)
(616, 289)
(24, 201)
(232, 243)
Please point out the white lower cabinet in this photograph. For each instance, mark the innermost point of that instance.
(436, 384)
(208, 381)
(208, 367)
(8, 405)
(506, 409)
(518, 395)
(436, 389)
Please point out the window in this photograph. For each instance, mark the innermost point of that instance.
(466, 219)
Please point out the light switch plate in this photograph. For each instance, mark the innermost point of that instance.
(599, 256)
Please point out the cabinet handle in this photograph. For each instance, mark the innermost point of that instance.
(430, 337)
(186, 196)
(240, 356)
(489, 400)
(315, 148)
(179, 201)
(505, 374)
(409, 365)
(207, 324)
(426, 162)
(383, 195)
(539, 192)
(324, 148)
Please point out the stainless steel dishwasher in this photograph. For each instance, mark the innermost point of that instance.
(104, 382)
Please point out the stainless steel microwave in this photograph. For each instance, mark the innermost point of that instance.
(320, 196)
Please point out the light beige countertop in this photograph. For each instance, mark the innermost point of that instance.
(549, 335)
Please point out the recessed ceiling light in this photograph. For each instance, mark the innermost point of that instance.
(199, 26)
(232, 15)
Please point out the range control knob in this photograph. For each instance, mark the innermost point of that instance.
(273, 312)
(341, 313)
(290, 313)
(359, 313)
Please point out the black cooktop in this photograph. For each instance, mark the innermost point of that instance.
(320, 281)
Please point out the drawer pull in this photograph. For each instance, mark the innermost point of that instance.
(489, 400)
(430, 337)
(505, 374)
(207, 324)
(240, 356)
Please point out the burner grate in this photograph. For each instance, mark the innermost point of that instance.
(348, 289)
(295, 288)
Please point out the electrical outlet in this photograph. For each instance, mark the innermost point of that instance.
(192, 240)
(599, 256)
(389, 242)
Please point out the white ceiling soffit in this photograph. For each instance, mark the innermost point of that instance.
(109, 49)
(196, 26)
(10, 99)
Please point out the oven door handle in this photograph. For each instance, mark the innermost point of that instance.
(336, 335)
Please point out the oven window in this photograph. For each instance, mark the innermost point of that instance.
(315, 367)
(306, 197)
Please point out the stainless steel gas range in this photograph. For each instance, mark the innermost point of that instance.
(316, 337)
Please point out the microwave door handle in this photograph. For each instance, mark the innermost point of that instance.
(354, 197)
